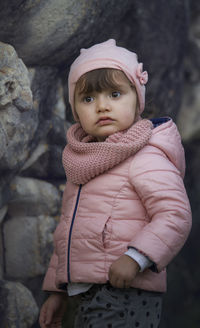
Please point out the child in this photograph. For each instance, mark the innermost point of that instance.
(125, 212)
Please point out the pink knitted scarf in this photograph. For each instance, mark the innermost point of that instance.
(83, 158)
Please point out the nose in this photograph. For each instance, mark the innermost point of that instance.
(103, 104)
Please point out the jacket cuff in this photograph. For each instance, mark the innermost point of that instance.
(142, 259)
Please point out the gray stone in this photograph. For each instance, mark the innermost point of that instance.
(39, 153)
(47, 164)
(60, 106)
(192, 58)
(20, 132)
(44, 29)
(35, 286)
(18, 307)
(57, 133)
(33, 197)
(46, 159)
(3, 212)
(14, 81)
(189, 116)
(1, 259)
(188, 120)
(28, 245)
(55, 168)
(161, 49)
(17, 130)
(45, 85)
(5, 193)
(157, 31)
(17, 127)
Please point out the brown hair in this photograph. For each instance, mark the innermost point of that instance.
(100, 79)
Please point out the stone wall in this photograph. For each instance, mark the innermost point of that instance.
(39, 40)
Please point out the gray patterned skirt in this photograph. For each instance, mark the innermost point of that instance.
(104, 306)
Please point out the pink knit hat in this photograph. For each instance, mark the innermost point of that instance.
(108, 55)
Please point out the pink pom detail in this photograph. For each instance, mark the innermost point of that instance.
(142, 75)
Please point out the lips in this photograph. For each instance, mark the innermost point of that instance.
(104, 121)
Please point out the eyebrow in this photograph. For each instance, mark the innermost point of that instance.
(81, 93)
(118, 87)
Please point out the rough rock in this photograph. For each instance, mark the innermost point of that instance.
(14, 81)
(28, 245)
(5, 193)
(17, 129)
(20, 130)
(32, 197)
(45, 85)
(23, 122)
(15, 98)
(3, 212)
(46, 160)
(45, 163)
(57, 133)
(189, 116)
(37, 164)
(159, 38)
(17, 307)
(188, 119)
(44, 30)
(1, 259)
(60, 105)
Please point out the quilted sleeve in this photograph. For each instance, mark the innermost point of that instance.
(50, 276)
(161, 190)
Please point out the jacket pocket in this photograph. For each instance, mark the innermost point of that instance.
(106, 233)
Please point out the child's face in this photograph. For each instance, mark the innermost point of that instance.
(109, 111)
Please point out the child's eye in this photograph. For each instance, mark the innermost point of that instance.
(88, 99)
(115, 94)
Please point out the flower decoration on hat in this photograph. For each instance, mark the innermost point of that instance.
(142, 75)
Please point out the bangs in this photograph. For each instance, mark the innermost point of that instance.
(101, 79)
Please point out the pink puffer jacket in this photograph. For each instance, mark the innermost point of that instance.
(141, 202)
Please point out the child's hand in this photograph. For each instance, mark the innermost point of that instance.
(123, 271)
(52, 311)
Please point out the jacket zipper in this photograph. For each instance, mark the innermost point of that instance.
(70, 233)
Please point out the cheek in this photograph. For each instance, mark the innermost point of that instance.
(128, 115)
(85, 120)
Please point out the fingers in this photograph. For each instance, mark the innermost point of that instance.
(117, 280)
(127, 283)
(56, 324)
(119, 283)
(42, 317)
(52, 311)
(46, 323)
(41, 322)
(45, 315)
(122, 272)
(49, 315)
